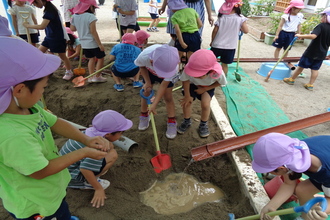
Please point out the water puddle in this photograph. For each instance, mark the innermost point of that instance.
(179, 193)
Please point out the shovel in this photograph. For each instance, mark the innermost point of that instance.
(305, 208)
(79, 71)
(80, 80)
(161, 161)
(25, 15)
(279, 60)
(237, 75)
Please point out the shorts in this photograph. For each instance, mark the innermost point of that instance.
(128, 27)
(154, 78)
(284, 39)
(306, 62)
(194, 95)
(95, 52)
(34, 37)
(226, 55)
(55, 46)
(154, 16)
(192, 40)
(131, 73)
(101, 168)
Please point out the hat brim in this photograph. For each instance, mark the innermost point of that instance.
(201, 72)
(168, 74)
(260, 169)
(92, 132)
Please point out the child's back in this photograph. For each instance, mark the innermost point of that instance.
(186, 19)
(82, 24)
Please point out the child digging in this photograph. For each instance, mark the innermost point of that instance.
(33, 176)
(85, 173)
(200, 77)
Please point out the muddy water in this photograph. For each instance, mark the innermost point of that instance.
(179, 193)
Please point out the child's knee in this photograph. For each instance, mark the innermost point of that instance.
(111, 156)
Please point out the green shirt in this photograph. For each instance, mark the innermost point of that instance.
(186, 19)
(26, 146)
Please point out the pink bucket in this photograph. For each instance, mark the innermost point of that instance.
(273, 185)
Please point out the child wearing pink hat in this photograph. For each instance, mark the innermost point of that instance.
(84, 22)
(280, 154)
(226, 30)
(33, 176)
(124, 54)
(142, 38)
(315, 53)
(290, 24)
(56, 35)
(200, 77)
(159, 64)
(85, 173)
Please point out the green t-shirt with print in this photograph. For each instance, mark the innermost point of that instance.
(186, 19)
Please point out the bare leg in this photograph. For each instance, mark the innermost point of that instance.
(168, 98)
(205, 104)
(117, 79)
(152, 23)
(224, 68)
(91, 65)
(99, 65)
(66, 61)
(156, 22)
(110, 159)
(277, 53)
(297, 72)
(314, 75)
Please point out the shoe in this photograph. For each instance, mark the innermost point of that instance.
(118, 87)
(184, 126)
(150, 29)
(68, 75)
(104, 183)
(137, 84)
(302, 75)
(289, 81)
(90, 79)
(144, 123)
(309, 87)
(99, 79)
(155, 29)
(171, 130)
(203, 130)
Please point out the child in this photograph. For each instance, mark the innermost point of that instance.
(199, 79)
(279, 154)
(125, 54)
(226, 30)
(290, 24)
(127, 14)
(84, 21)
(142, 38)
(16, 15)
(316, 52)
(159, 63)
(186, 23)
(56, 36)
(85, 173)
(33, 176)
(153, 11)
(73, 45)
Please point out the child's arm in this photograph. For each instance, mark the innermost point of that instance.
(202, 89)
(92, 27)
(306, 36)
(244, 28)
(99, 194)
(76, 52)
(160, 93)
(14, 18)
(209, 11)
(73, 28)
(34, 19)
(187, 99)
(145, 75)
(299, 29)
(199, 23)
(162, 9)
(179, 36)
(112, 58)
(151, 5)
(125, 12)
(279, 28)
(41, 26)
(214, 33)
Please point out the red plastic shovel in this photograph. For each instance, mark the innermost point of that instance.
(161, 161)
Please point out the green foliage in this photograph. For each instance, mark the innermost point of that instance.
(275, 19)
(246, 9)
(262, 7)
(309, 24)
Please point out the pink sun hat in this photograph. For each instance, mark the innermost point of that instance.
(228, 6)
(4, 27)
(295, 4)
(201, 62)
(108, 121)
(165, 61)
(274, 150)
(21, 62)
(141, 36)
(83, 6)
(176, 4)
(128, 38)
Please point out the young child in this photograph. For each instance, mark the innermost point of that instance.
(141, 38)
(127, 14)
(17, 16)
(124, 54)
(73, 45)
(56, 35)
(199, 79)
(226, 30)
(84, 21)
(85, 173)
(315, 53)
(153, 11)
(186, 22)
(290, 24)
(280, 154)
(159, 63)
(33, 176)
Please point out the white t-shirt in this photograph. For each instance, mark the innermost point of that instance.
(207, 81)
(153, 10)
(292, 25)
(82, 23)
(25, 8)
(127, 5)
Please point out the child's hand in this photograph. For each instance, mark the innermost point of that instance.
(101, 48)
(161, 10)
(98, 198)
(200, 90)
(99, 143)
(316, 214)
(184, 45)
(26, 24)
(152, 109)
(185, 101)
(264, 211)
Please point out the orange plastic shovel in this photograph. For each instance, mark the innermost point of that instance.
(79, 71)
(161, 161)
(80, 80)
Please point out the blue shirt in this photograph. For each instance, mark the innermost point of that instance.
(125, 55)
